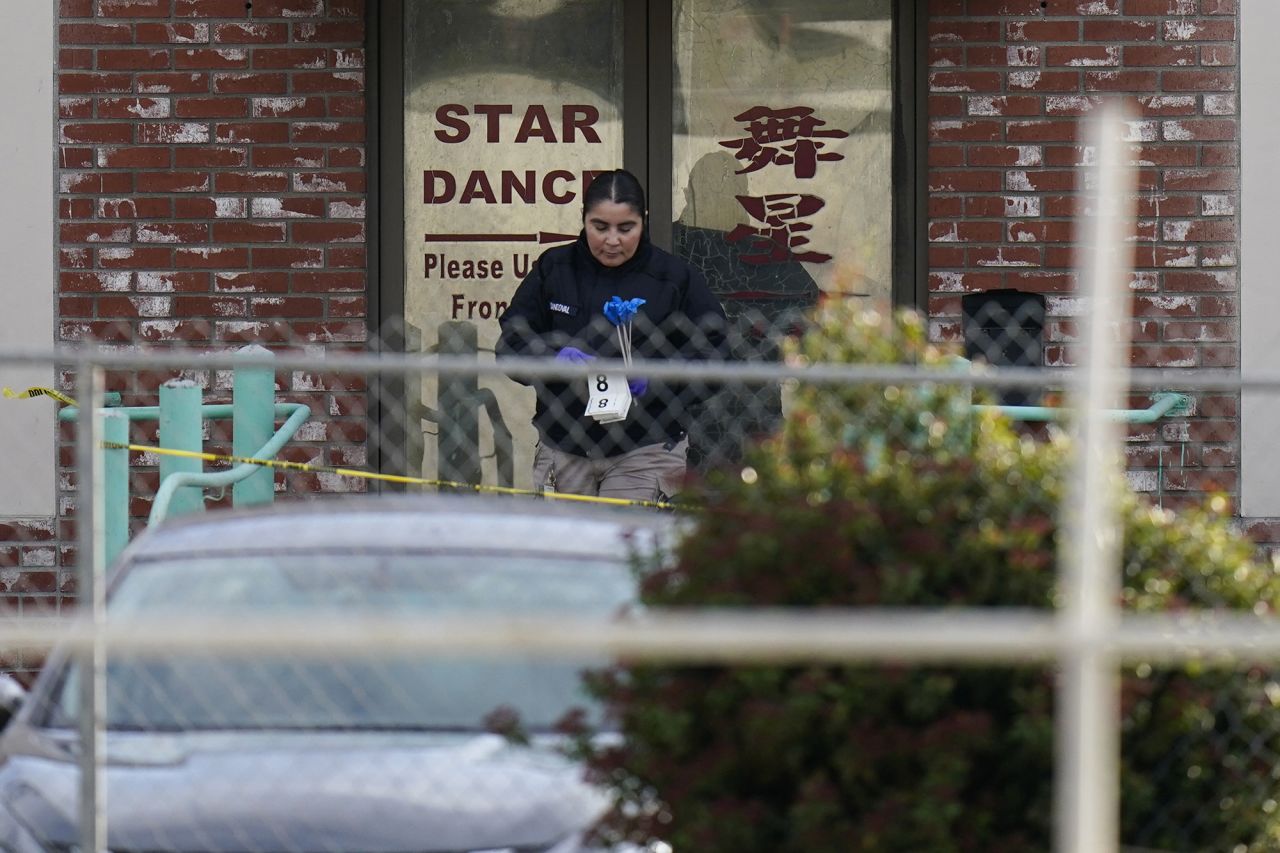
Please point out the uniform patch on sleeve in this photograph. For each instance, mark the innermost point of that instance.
(562, 308)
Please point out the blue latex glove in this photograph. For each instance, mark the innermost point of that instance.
(574, 355)
(638, 386)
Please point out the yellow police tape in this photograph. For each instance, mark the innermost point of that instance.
(39, 392)
(370, 475)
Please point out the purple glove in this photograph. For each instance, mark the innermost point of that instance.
(574, 355)
(638, 386)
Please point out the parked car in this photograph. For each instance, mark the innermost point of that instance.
(390, 752)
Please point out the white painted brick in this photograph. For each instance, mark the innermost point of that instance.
(1217, 205)
(347, 209)
(1220, 105)
(1021, 207)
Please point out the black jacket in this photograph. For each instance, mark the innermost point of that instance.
(561, 303)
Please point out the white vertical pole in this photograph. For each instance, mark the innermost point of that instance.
(91, 605)
(1088, 740)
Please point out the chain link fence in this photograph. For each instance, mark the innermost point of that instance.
(524, 672)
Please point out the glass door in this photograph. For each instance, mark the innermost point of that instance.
(509, 108)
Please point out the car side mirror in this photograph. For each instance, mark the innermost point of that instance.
(12, 695)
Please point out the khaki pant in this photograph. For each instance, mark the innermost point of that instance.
(649, 473)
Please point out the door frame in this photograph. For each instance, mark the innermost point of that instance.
(647, 152)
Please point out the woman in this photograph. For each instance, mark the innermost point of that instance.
(559, 310)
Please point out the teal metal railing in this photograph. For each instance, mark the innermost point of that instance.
(1164, 404)
(181, 416)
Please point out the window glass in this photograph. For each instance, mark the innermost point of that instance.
(781, 183)
(509, 108)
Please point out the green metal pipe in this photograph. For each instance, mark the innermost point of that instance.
(298, 414)
(181, 428)
(114, 428)
(253, 398)
(1164, 404)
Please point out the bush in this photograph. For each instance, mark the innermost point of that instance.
(896, 496)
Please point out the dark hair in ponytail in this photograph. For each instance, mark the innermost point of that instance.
(619, 186)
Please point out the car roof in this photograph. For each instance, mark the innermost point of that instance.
(410, 522)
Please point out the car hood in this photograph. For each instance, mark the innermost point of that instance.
(272, 792)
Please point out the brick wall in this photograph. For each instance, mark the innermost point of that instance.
(212, 191)
(1009, 81)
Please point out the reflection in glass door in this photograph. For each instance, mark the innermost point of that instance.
(509, 107)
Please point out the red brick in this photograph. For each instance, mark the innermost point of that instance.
(324, 282)
(95, 34)
(173, 232)
(945, 106)
(287, 258)
(965, 131)
(75, 208)
(211, 57)
(290, 57)
(257, 32)
(101, 134)
(250, 133)
(290, 107)
(328, 232)
(250, 83)
(211, 258)
(173, 182)
(966, 32)
(332, 131)
(93, 84)
(966, 232)
(287, 8)
(252, 182)
(1199, 81)
(173, 282)
(347, 257)
(211, 108)
(248, 232)
(1120, 30)
(173, 82)
(1043, 31)
(136, 258)
(173, 133)
(133, 59)
(133, 8)
(329, 182)
(134, 158)
(1044, 81)
(201, 157)
(965, 81)
(1082, 56)
(91, 232)
(75, 158)
(292, 306)
(332, 32)
(968, 180)
(255, 282)
(1050, 130)
(946, 156)
(1193, 30)
(208, 306)
(1121, 81)
(267, 157)
(342, 158)
(147, 33)
(75, 8)
(211, 208)
(210, 9)
(1148, 55)
(324, 82)
(75, 58)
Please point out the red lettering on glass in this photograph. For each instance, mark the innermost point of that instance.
(781, 231)
(784, 137)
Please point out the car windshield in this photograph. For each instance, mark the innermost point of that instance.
(375, 692)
